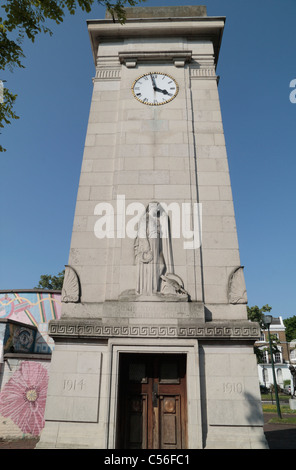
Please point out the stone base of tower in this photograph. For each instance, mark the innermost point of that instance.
(96, 364)
(236, 437)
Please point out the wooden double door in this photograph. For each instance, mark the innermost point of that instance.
(152, 402)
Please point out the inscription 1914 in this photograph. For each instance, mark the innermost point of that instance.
(74, 385)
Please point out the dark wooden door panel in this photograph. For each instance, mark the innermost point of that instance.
(170, 419)
(136, 426)
(152, 406)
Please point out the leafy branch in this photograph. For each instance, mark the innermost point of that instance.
(47, 281)
(6, 110)
(28, 18)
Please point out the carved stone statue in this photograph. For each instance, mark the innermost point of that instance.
(153, 253)
(173, 285)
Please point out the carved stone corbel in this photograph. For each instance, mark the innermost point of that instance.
(237, 293)
(71, 286)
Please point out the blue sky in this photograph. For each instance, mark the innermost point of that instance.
(40, 170)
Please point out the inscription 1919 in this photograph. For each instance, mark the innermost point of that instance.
(232, 387)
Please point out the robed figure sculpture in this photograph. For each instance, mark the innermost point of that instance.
(153, 254)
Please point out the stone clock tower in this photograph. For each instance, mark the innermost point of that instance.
(154, 349)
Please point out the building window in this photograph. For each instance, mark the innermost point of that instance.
(278, 358)
(262, 337)
(293, 354)
(265, 357)
(279, 376)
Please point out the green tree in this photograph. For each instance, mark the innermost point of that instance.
(28, 18)
(256, 314)
(51, 282)
(290, 324)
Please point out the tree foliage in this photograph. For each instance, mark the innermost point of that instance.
(290, 324)
(257, 314)
(21, 19)
(6, 110)
(51, 282)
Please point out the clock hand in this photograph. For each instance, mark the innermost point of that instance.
(153, 83)
(165, 92)
(155, 88)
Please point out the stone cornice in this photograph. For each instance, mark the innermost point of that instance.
(203, 28)
(179, 58)
(90, 329)
(114, 73)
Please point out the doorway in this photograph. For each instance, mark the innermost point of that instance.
(152, 401)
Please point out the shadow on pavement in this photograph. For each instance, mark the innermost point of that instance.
(279, 436)
(281, 439)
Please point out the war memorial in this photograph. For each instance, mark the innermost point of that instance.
(153, 349)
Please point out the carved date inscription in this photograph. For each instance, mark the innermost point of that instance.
(71, 385)
(232, 387)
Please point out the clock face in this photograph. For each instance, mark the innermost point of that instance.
(155, 88)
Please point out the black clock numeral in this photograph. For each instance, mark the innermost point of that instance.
(139, 94)
(145, 100)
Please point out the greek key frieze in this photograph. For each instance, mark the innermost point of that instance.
(93, 330)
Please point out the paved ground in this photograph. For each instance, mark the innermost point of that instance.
(279, 436)
(18, 444)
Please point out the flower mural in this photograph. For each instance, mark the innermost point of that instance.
(23, 397)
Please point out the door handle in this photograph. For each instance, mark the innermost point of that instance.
(155, 395)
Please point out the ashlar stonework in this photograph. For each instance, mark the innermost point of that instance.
(154, 349)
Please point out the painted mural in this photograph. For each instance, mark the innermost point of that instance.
(24, 381)
(33, 308)
(23, 397)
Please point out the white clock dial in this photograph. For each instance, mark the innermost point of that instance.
(155, 88)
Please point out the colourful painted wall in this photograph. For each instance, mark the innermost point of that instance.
(35, 308)
(23, 398)
(25, 359)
